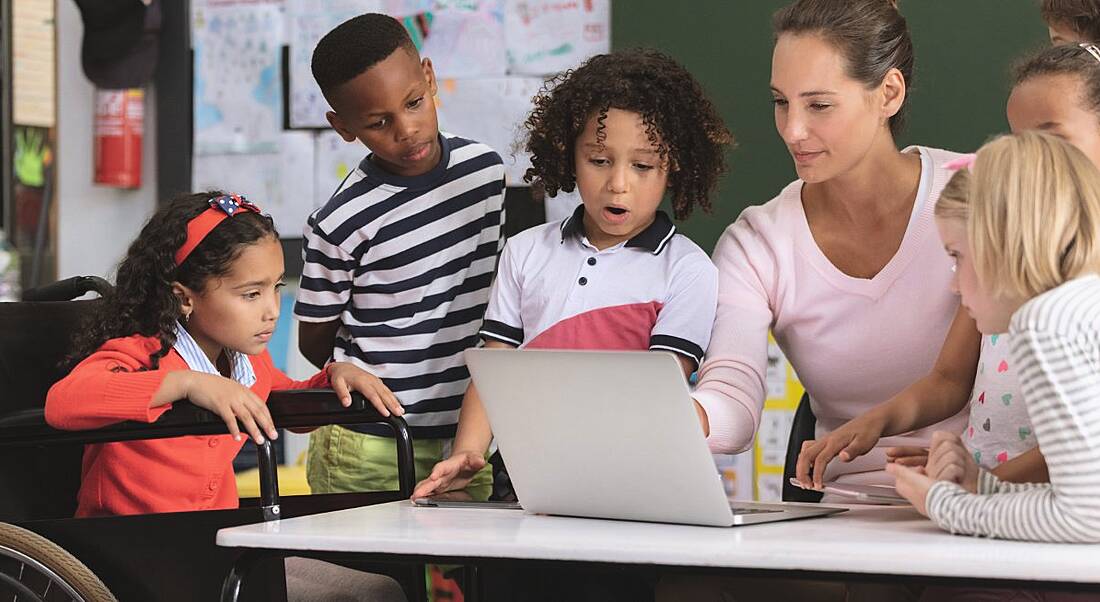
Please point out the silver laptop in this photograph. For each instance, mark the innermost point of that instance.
(608, 434)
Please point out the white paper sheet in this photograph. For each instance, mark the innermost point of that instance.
(281, 184)
(33, 38)
(549, 36)
(237, 82)
(466, 39)
(492, 111)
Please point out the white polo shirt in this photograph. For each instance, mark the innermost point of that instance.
(554, 290)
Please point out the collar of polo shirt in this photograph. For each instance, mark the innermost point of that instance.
(654, 238)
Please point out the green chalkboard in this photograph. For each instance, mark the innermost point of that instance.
(964, 49)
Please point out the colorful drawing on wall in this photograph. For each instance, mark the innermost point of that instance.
(238, 104)
(548, 36)
(466, 39)
(465, 104)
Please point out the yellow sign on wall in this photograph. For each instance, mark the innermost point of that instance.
(770, 451)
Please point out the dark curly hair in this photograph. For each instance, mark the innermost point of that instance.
(679, 120)
(355, 46)
(142, 301)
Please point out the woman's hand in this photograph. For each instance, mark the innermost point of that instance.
(346, 377)
(853, 439)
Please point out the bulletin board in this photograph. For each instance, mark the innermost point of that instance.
(259, 119)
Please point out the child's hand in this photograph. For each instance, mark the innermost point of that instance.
(346, 377)
(453, 473)
(231, 401)
(914, 457)
(949, 460)
(912, 484)
(851, 440)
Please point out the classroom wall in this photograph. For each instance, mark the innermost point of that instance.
(94, 223)
(963, 52)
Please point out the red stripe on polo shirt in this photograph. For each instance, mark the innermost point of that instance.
(619, 327)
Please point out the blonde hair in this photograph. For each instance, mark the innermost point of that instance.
(952, 203)
(1034, 214)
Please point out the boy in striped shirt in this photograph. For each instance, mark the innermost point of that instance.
(399, 261)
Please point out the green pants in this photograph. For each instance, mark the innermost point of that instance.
(341, 460)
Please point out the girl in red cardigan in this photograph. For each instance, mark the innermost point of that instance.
(195, 304)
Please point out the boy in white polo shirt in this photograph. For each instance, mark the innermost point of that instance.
(614, 275)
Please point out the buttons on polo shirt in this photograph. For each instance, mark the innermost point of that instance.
(591, 261)
(583, 281)
(213, 485)
(213, 442)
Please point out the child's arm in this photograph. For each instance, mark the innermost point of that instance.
(347, 377)
(502, 328)
(471, 441)
(281, 382)
(1028, 467)
(230, 400)
(686, 321)
(323, 292)
(316, 340)
(1061, 389)
(112, 386)
(938, 396)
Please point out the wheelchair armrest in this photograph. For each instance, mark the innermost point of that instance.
(299, 408)
(29, 428)
(319, 407)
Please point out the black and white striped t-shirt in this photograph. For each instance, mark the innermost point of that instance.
(405, 264)
(1056, 349)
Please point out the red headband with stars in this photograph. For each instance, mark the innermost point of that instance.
(199, 227)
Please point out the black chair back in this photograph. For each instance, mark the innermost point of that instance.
(37, 482)
(802, 429)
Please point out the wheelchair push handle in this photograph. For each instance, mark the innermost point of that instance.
(69, 288)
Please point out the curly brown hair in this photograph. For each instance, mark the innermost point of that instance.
(142, 301)
(679, 119)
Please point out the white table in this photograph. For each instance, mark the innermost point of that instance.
(866, 540)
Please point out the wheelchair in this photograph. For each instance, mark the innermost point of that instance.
(47, 555)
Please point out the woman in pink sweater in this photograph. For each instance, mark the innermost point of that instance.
(844, 266)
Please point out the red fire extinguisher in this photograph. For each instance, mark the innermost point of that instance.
(118, 132)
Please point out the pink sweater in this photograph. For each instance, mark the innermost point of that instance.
(853, 342)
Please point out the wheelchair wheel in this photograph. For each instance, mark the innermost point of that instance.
(34, 568)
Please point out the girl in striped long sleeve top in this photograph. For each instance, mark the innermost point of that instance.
(1026, 245)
